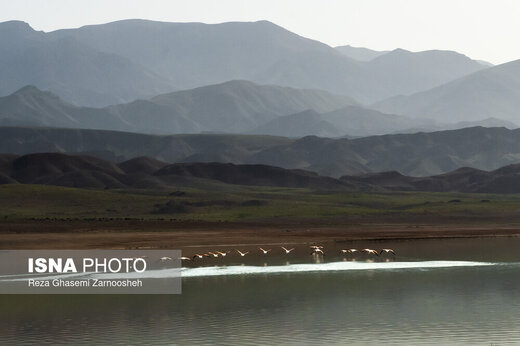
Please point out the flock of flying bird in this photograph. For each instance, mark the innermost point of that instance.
(316, 250)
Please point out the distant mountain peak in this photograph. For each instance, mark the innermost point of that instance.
(16, 29)
(359, 53)
(15, 25)
(27, 89)
(31, 90)
(400, 51)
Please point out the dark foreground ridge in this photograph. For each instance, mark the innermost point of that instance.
(89, 172)
(84, 171)
(502, 180)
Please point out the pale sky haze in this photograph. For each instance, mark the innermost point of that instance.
(482, 29)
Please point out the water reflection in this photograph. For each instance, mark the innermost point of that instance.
(317, 259)
(459, 305)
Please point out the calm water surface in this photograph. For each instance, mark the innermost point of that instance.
(468, 305)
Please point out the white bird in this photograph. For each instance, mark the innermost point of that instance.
(316, 247)
(371, 251)
(287, 250)
(265, 251)
(387, 251)
(185, 258)
(165, 258)
(242, 253)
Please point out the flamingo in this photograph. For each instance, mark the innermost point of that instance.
(265, 251)
(371, 251)
(213, 254)
(287, 251)
(387, 251)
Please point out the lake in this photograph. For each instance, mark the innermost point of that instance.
(453, 291)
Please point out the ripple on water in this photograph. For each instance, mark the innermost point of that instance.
(449, 305)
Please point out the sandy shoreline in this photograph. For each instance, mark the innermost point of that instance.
(132, 235)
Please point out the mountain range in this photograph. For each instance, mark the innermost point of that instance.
(353, 121)
(503, 180)
(118, 62)
(232, 107)
(142, 172)
(418, 154)
(254, 93)
(490, 93)
(71, 69)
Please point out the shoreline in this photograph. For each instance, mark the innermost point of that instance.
(192, 235)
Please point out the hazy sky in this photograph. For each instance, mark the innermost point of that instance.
(481, 29)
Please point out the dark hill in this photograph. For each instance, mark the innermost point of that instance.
(121, 146)
(251, 175)
(391, 180)
(65, 170)
(88, 172)
(419, 154)
(141, 164)
(35, 166)
(502, 180)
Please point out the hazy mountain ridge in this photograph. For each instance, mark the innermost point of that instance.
(359, 53)
(351, 121)
(490, 93)
(232, 107)
(300, 124)
(420, 154)
(122, 61)
(410, 72)
(71, 69)
(235, 106)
